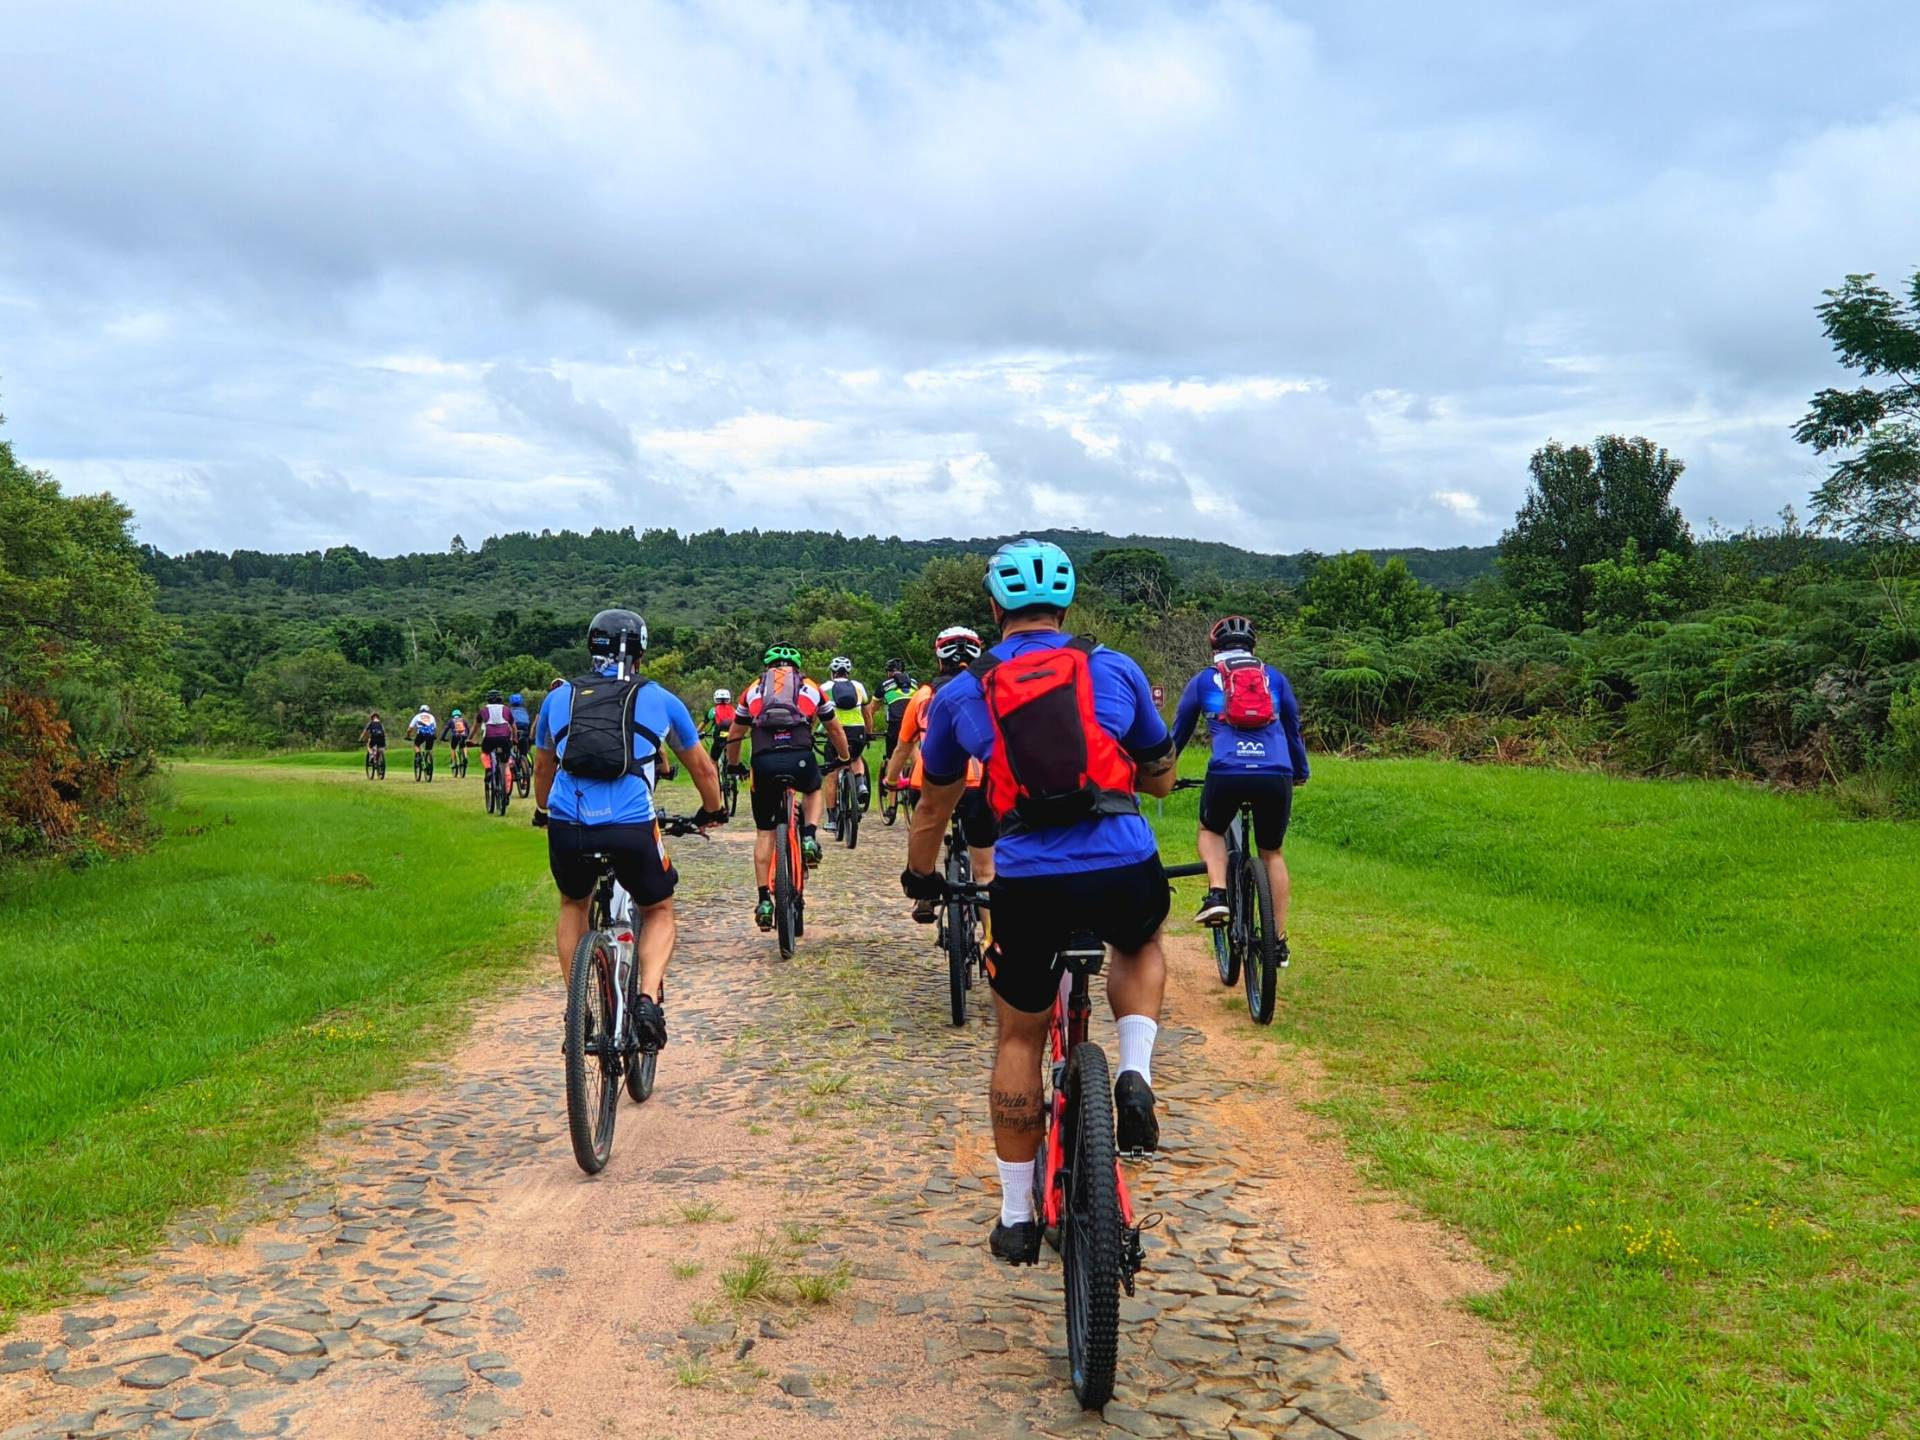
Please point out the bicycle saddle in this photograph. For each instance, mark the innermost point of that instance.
(1084, 954)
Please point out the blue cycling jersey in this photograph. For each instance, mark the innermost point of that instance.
(1274, 749)
(628, 800)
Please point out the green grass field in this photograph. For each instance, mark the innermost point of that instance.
(178, 1020)
(1655, 1049)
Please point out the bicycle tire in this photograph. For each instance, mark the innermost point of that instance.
(1226, 938)
(955, 934)
(429, 767)
(522, 774)
(506, 790)
(850, 798)
(1263, 950)
(417, 766)
(783, 888)
(1091, 1250)
(369, 765)
(592, 1096)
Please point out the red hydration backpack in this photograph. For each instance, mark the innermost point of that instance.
(782, 712)
(1052, 763)
(1250, 704)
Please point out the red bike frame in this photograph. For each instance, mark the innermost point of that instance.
(1071, 1011)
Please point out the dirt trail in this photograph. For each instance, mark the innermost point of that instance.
(789, 1240)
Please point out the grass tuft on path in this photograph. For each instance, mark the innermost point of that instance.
(1652, 1046)
(180, 1020)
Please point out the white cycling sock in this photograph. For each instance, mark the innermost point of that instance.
(1136, 1043)
(1016, 1191)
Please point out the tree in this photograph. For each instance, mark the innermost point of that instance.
(1583, 507)
(949, 591)
(457, 547)
(1351, 592)
(1134, 575)
(1872, 494)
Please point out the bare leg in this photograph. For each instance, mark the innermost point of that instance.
(1014, 1101)
(657, 929)
(814, 805)
(980, 864)
(1213, 850)
(1282, 889)
(1137, 983)
(567, 931)
(762, 856)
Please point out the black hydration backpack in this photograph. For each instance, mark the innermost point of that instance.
(599, 733)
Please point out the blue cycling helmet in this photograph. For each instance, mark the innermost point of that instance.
(1030, 572)
(514, 699)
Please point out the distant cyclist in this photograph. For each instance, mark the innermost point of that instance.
(719, 722)
(597, 740)
(374, 736)
(422, 729)
(496, 733)
(850, 703)
(522, 721)
(1068, 732)
(954, 649)
(895, 691)
(1258, 758)
(780, 710)
(456, 735)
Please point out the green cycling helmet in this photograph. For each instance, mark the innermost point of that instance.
(776, 654)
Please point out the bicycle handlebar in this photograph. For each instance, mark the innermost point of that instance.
(678, 825)
(1188, 784)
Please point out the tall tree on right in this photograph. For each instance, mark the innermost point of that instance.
(1583, 507)
(1872, 494)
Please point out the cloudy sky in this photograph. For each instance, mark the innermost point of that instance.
(1288, 274)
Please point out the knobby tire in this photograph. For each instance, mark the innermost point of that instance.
(1263, 948)
(593, 1096)
(783, 888)
(1091, 1249)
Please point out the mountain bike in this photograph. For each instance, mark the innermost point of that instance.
(1245, 948)
(729, 788)
(457, 766)
(498, 781)
(844, 814)
(787, 874)
(603, 1050)
(377, 763)
(958, 927)
(1080, 1195)
(423, 765)
(522, 769)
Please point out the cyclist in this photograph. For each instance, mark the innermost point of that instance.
(850, 703)
(456, 735)
(496, 734)
(422, 728)
(719, 722)
(596, 741)
(1074, 856)
(1258, 758)
(895, 691)
(374, 736)
(954, 649)
(522, 721)
(781, 709)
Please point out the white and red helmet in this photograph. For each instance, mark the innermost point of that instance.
(957, 645)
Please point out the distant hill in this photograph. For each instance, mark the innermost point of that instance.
(682, 577)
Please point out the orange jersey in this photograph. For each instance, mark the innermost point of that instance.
(913, 724)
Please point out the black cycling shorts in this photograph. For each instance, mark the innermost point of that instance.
(639, 859)
(978, 827)
(1034, 916)
(856, 741)
(776, 771)
(1270, 794)
(425, 742)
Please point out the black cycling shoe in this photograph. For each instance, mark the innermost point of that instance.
(1016, 1244)
(649, 1024)
(1136, 1129)
(1213, 910)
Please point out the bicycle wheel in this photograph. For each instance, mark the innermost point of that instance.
(592, 1094)
(956, 934)
(1263, 949)
(369, 765)
(429, 767)
(523, 774)
(506, 789)
(1226, 938)
(783, 888)
(418, 766)
(1090, 1238)
(850, 799)
(642, 1064)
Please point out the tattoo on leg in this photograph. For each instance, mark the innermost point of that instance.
(1017, 1110)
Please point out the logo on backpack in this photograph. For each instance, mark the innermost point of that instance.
(596, 743)
(783, 711)
(1052, 764)
(1249, 696)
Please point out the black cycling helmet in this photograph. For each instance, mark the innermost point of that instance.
(493, 697)
(896, 667)
(1232, 632)
(613, 633)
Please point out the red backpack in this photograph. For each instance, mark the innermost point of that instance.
(782, 712)
(1250, 704)
(1052, 763)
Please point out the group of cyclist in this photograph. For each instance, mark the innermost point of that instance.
(503, 726)
(1041, 746)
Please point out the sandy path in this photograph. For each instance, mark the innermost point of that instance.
(441, 1267)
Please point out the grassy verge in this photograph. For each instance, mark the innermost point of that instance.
(174, 1022)
(1653, 1047)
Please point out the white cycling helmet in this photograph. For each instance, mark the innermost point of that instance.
(840, 665)
(957, 643)
(720, 695)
